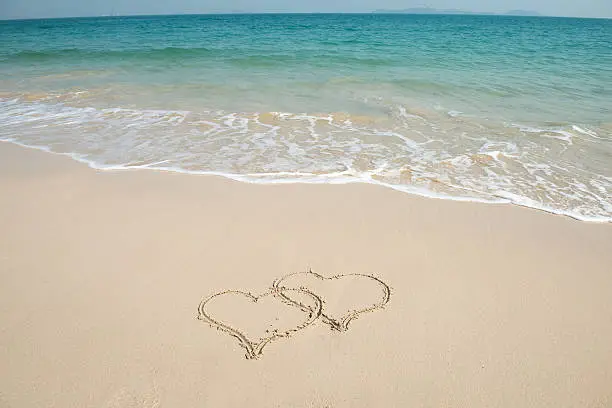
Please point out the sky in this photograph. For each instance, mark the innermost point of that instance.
(10, 9)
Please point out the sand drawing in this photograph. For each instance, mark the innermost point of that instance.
(254, 349)
(293, 290)
(341, 321)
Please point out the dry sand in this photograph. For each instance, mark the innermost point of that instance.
(101, 275)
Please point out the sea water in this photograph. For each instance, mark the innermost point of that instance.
(483, 108)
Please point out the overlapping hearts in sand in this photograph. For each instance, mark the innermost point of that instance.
(294, 302)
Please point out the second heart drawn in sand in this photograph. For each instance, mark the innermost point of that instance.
(230, 301)
(357, 294)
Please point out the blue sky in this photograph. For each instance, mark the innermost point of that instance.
(65, 8)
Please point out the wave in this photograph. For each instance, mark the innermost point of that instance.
(475, 161)
(129, 54)
(309, 178)
(316, 59)
(174, 55)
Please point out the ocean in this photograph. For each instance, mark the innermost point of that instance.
(477, 108)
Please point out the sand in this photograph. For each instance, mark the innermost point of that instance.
(102, 275)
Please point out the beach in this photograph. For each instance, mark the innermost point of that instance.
(102, 274)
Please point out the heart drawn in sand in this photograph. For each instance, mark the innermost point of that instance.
(378, 295)
(254, 347)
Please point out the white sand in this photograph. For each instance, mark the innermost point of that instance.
(101, 275)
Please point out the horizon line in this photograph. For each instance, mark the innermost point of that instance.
(373, 12)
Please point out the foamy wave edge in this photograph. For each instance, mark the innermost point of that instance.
(307, 178)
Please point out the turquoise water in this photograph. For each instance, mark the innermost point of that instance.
(485, 108)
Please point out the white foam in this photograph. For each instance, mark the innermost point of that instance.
(502, 197)
(587, 132)
(318, 149)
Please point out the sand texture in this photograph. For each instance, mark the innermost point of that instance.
(141, 289)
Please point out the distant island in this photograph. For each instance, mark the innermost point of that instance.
(430, 10)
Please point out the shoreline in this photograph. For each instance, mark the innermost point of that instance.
(251, 179)
(102, 275)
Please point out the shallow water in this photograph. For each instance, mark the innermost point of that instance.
(498, 109)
